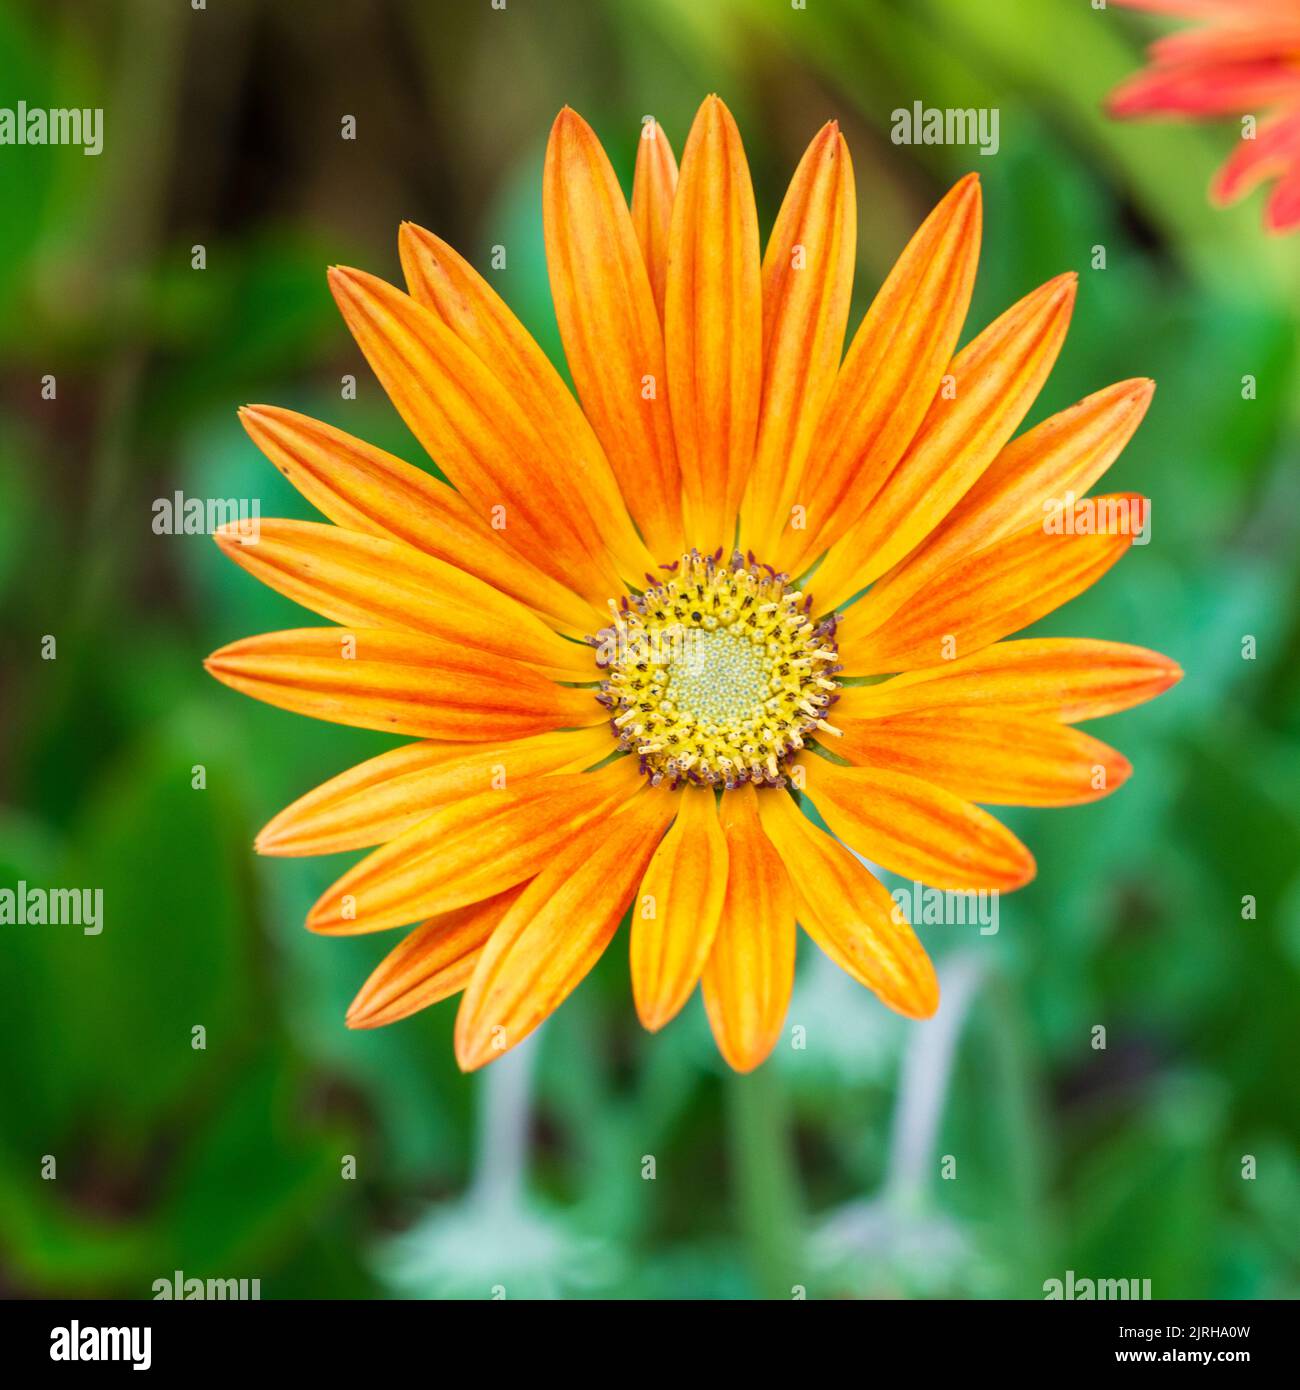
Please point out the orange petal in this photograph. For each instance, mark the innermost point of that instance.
(913, 828)
(447, 285)
(1218, 44)
(653, 186)
(1274, 150)
(472, 849)
(401, 683)
(430, 964)
(750, 971)
(807, 283)
(996, 591)
(1066, 454)
(364, 489)
(987, 755)
(713, 324)
(848, 912)
(995, 379)
(481, 437)
(1195, 9)
(893, 369)
(610, 327)
(677, 910)
(558, 929)
(1209, 87)
(381, 798)
(1066, 678)
(1283, 211)
(367, 581)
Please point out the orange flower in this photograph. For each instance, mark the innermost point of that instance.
(551, 787)
(1244, 61)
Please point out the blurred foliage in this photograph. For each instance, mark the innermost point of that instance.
(222, 128)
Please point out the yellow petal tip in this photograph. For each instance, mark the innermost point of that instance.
(471, 1058)
(265, 841)
(361, 1013)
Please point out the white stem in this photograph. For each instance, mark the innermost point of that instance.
(923, 1085)
(504, 1112)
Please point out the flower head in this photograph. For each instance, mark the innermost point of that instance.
(1244, 61)
(636, 641)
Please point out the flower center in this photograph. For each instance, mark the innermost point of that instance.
(717, 675)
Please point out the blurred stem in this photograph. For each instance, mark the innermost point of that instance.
(501, 1157)
(137, 157)
(923, 1086)
(766, 1186)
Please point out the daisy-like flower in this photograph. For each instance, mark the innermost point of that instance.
(1244, 61)
(619, 695)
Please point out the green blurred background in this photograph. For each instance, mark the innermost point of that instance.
(823, 1170)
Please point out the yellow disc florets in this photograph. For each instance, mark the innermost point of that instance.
(717, 674)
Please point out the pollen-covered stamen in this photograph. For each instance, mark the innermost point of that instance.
(717, 674)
